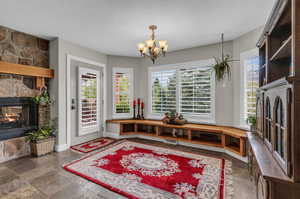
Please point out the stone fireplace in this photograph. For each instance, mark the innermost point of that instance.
(18, 115)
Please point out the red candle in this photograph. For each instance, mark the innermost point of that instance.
(142, 105)
(134, 103)
(139, 101)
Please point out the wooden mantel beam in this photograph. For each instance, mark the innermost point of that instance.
(18, 69)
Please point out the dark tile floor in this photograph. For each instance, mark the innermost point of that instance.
(44, 177)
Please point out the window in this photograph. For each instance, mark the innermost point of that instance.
(279, 128)
(187, 88)
(250, 83)
(195, 90)
(88, 94)
(122, 92)
(163, 91)
(268, 121)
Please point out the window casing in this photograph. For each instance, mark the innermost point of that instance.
(187, 88)
(122, 92)
(249, 84)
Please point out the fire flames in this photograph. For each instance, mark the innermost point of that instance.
(9, 117)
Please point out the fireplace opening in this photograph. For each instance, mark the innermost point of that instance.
(17, 117)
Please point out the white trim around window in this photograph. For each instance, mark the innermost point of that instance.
(208, 118)
(243, 98)
(128, 72)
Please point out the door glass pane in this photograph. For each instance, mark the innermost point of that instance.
(88, 99)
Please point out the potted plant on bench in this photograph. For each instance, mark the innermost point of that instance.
(42, 140)
(251, 120)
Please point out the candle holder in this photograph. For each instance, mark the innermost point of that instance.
(138, 113)
(134, 112)
(142, 116)
(142, 106)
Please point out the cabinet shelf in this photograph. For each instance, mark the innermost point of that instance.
(284, 51)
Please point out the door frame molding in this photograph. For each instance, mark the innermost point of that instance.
(104, 107)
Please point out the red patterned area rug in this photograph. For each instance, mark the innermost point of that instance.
(92, 145)
(138, 170)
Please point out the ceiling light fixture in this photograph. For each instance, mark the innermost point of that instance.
(151, 49)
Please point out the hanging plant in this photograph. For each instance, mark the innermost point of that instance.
(222, 66)
(43, 98)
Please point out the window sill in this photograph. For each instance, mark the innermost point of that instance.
(122, 116)
(199, 120)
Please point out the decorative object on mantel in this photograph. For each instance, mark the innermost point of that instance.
(33, 71)
(42, 140)
(151, 49)
(222, 67)
(251, 120)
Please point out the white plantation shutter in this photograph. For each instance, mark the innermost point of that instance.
(252, 84)
(195, 91)
(163, 91)
(187, 88)
(122, 91)
(88, 95)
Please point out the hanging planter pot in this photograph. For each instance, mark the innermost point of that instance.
(222, 66)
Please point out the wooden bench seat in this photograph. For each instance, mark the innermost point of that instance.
(229, 138)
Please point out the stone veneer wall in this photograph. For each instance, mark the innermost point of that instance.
(21, 48)
(18, 47)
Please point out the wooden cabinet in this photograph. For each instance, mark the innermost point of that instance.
(277, 97)
(274, 151)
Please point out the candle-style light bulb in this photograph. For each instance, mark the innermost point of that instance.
(165, 48)
(162, 43)
(141, 46)
(150, 43)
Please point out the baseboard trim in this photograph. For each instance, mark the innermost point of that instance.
(62, 147)
(111, 135)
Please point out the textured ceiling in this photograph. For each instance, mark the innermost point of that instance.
(116, 26)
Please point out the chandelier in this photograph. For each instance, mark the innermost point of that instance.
(151, 49)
